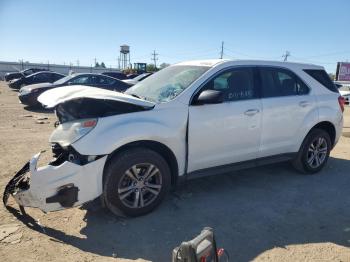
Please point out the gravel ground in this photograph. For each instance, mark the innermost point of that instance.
(270, 213)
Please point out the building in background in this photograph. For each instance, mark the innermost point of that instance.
(343, 72)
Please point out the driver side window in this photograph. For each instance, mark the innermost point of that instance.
(235, 84)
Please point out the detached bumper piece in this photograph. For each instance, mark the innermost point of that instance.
(59, 185)
(19, 182)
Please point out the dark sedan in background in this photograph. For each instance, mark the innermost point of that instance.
(115, 74)
(15, 75)
(40, 77)
(137, 79)
(28, 95)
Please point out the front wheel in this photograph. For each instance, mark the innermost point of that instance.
(314, 152)
(135, 182)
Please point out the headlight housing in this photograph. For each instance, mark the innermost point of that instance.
(68, 133)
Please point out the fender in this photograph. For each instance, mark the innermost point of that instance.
(116, 131)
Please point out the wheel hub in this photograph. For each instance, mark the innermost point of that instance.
(140, 185)
(317, 152)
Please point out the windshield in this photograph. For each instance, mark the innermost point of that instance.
(63, 80)
(168, 83)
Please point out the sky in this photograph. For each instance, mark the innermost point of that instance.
(78, 31)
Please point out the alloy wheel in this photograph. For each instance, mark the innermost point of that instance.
(140, 185)
(317, 152)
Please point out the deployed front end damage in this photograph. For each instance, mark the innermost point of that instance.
(58, 185)
(71, 178)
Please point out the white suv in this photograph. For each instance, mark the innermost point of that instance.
(187, 120)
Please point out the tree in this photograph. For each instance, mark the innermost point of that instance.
(97, 64)
(151, 68)
(332, 76)
(163, 65)
(103, 65)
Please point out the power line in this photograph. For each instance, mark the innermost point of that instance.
(154, 58)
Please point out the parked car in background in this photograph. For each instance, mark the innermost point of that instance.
(118, 75)
(137, 79)
(15, 75)
(40, 77)
(28, 94)
(131, 76)
(188, 120)
(344, 90)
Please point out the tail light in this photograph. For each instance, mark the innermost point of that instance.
(341, 101)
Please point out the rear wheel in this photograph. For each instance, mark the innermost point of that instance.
(314, 152)
(136, 182)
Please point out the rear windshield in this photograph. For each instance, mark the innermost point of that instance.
(323, 78)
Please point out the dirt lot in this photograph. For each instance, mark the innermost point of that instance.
(266, 214)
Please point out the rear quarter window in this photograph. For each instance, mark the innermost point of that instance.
(323, 78)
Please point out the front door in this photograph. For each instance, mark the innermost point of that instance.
(227, 132)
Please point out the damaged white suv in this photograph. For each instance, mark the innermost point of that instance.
(188, 120)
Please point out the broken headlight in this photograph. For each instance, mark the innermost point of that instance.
(69, 132)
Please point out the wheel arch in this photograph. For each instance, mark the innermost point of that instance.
(158, 147)
(328, 127)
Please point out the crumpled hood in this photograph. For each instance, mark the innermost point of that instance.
(53, 97)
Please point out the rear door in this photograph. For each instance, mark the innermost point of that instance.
(55, 77)
(286, 104)
(228, 132)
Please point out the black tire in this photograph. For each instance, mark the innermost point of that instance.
(301, 163)
(115, 174)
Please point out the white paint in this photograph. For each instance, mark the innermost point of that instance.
(218, 133)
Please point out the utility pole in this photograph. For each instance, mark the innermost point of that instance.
(78, 62)
(222, 50)
(285, 56)
(95, 61)
(154, 58)
(21, 62)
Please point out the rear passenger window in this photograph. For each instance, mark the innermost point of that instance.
(236, 84)
(281, 82)
(42, 77)
(323, 78)
(105, 80)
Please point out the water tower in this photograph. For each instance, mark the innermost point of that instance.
(124, 57)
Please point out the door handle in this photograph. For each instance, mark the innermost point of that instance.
(251, 112)
(304, 103)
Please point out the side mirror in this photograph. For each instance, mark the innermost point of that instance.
(209, 97)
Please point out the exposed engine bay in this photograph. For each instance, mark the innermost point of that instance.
(82, 108)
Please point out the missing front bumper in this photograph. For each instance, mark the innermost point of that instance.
(52, 188)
